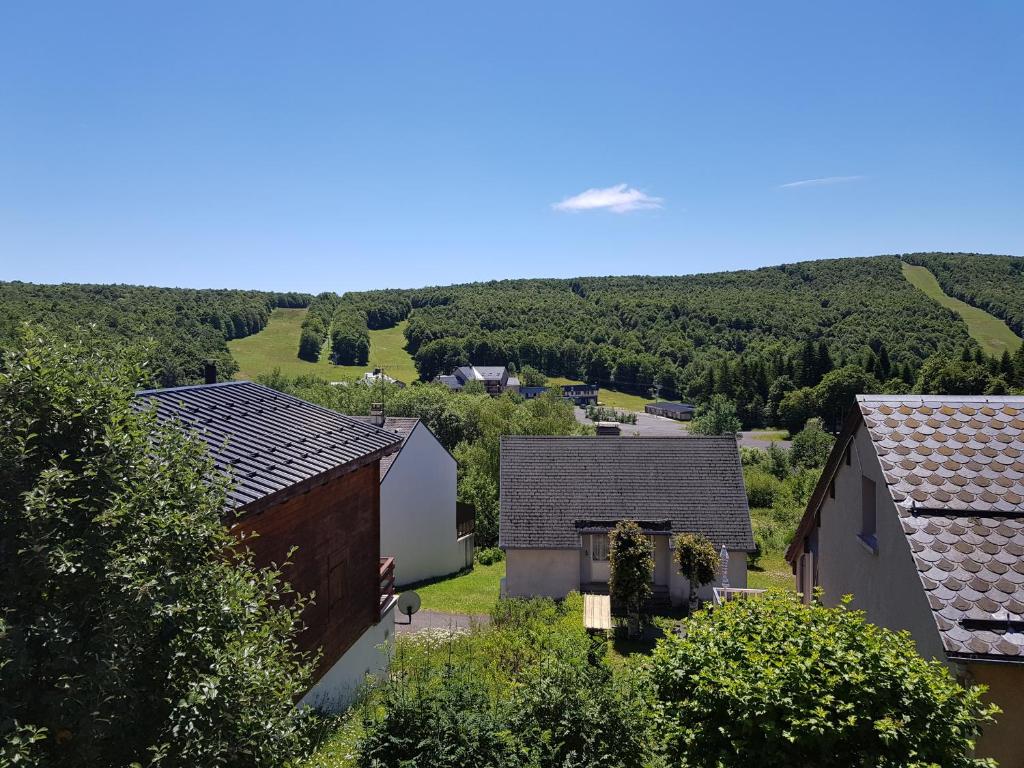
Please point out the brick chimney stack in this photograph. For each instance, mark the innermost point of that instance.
(377, 414)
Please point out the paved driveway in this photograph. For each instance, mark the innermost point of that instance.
(426, 619)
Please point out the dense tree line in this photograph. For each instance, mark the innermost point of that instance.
(993, 283)
(350, 337)
(354, 315)
(189, 327)
(751, 336)
(316, 325)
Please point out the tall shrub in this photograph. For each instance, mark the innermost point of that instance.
(811, 446)
(697, 560)
(716, 417)
(773, 683)
(134, 629)
(630, 564)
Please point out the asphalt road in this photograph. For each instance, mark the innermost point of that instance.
(658, 426)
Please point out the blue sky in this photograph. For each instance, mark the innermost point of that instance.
(330, 146)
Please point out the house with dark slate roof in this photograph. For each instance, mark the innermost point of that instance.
(306, 477)
(420, 525)
(495, 378)
(919, 515)
(560, 497)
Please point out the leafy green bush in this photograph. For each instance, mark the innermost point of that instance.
(490, 555)
(444, 718)
(762, 488)
(531, 377)
(716, 417)
(773, 683)
(135, 629)
(600, 413)
(630, 564)
(697, 559)
(811, 446)
(531, 689)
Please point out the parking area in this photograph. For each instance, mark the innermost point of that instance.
(659, 426)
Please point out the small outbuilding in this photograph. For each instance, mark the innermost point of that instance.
(677, 411)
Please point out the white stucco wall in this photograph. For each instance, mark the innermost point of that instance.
(679, 587)
(884, 585)
(417, 511)
(541, 572)
(368, 656)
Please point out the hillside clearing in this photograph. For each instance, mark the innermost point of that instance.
(994, 336)
(277, 346)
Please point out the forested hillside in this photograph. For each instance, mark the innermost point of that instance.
(731, 333)
(993, 283)
(188, 326)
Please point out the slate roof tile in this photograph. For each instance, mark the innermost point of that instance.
(549, 483)
(952, 466)
(265, 440)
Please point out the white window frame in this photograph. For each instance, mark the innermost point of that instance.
(599, 547)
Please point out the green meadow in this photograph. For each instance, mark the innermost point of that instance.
(994, 336)
(277, 346)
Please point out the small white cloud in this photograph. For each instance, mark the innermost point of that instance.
(617, 199)
(824, 181)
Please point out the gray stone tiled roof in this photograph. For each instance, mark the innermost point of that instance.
(397, 425)
(549, 484)
(955, 469)
(489, 372)
(269, 443)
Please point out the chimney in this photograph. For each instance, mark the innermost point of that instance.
(609, 428)
(210, 372)
(377, 414)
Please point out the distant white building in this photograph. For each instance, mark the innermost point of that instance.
(419, 524)
(495, 378)
(377, 376)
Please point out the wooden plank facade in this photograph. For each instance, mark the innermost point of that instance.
(336, 528)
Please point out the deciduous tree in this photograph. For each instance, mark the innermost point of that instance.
(136, 629)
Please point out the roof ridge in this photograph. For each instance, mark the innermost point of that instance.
(157, 390)
(627, 438)
(939, 398)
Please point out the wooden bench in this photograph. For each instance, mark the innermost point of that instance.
(597, 613)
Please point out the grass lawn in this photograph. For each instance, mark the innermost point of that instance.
(994, 336)
(772, 572)
(471, 592)
(277, 346)
(609, 397)
(769, 434)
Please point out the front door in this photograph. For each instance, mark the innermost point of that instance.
(599, 570)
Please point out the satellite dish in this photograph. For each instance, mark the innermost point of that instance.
(408, 603)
